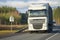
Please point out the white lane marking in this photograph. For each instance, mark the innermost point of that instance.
(51, 36)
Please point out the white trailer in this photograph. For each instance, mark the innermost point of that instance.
(40, 17)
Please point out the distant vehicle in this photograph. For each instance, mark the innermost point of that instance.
(40, 17)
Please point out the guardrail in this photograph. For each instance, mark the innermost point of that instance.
(21, 30)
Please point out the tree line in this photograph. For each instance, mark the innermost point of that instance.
(21, 18)
(56, 15)
(6, 12)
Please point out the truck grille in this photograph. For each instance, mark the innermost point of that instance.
(37, 26)
(37, 21)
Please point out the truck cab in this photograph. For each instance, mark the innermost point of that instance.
(40, 17)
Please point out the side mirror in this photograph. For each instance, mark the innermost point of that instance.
(54, 21)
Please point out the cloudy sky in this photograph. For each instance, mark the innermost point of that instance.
(22, 5)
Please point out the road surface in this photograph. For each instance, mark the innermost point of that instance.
(54, 35)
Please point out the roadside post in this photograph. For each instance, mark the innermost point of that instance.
(11, 19)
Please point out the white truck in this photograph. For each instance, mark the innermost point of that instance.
(40, 17)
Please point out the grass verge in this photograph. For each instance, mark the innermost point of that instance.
(6, 29)
(7, 32)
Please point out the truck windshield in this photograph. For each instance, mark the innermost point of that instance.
(37, 13)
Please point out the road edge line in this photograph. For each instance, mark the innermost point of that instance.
(51, 36)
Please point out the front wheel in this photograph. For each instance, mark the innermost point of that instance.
(50, 28)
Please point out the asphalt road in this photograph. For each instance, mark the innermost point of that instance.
(54, 35)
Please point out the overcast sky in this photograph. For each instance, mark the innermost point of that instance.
(22, 5)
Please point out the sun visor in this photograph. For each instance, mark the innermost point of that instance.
(37, 8)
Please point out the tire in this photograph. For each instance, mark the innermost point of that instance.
(50, 27)
(49, 30)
